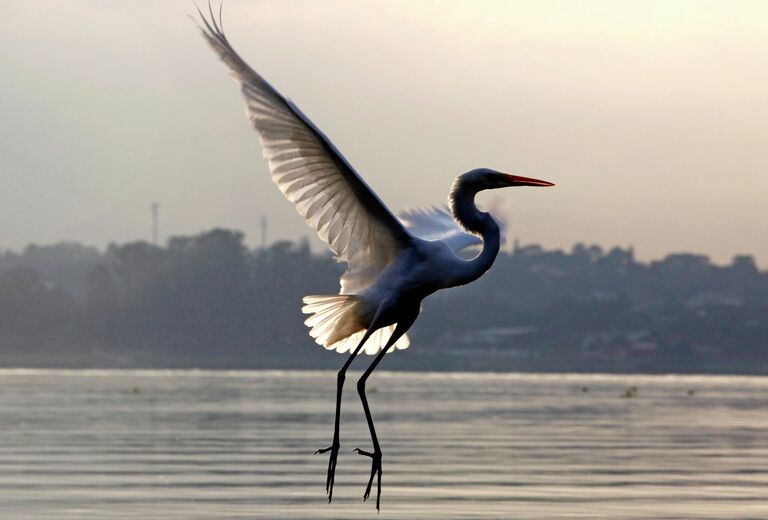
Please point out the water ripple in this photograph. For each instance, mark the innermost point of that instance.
(238, 444)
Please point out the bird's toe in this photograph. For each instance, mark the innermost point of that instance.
(364, 453)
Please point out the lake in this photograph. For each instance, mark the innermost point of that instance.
(217, 444)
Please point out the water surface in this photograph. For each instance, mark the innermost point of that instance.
(198, 444)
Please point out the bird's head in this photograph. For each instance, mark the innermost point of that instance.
(487, 179)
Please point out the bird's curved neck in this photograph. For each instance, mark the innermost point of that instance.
(462, 201)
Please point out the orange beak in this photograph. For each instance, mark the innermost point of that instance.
(516, 180)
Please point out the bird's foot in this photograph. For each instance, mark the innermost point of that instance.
(375, 471)
(334, 449)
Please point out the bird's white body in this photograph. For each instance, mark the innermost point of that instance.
(392, 264)
(394, 296)
(412, 276)
(425, 268)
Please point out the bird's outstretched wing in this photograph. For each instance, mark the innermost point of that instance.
(314, 176)
(437, 223)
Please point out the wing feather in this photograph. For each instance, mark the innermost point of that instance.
(437, 223)
(314, 176)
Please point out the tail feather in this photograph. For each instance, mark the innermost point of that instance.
(336, 324)
(375, 343)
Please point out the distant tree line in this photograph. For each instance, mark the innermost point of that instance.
(209, 301)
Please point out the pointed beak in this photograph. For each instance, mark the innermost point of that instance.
(516, 180)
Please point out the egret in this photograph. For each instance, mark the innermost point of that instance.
(392, 264)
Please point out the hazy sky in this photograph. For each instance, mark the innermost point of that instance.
(652, 117)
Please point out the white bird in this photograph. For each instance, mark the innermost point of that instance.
(390, 269)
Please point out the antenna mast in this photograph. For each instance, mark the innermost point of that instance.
(263, 232)
(155, 207)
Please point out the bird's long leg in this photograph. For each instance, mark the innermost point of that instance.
(375, 456)
(334, 447)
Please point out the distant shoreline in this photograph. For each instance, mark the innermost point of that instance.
(208, 301)
(332, 363)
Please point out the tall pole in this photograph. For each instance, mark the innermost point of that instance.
(263, 232)
(155, 218)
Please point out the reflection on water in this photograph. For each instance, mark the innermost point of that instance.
(159, 444)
